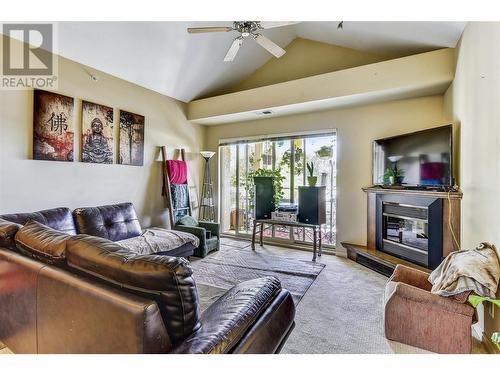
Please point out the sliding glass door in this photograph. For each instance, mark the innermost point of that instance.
(289, 155)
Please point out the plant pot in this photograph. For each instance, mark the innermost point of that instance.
(312, 180)
(391, 180)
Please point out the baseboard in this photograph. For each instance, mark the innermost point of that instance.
(490, 347)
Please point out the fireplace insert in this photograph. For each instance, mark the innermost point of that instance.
(410, 228)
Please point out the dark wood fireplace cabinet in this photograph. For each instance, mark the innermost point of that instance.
(417, 228)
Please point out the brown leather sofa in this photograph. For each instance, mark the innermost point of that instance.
(115, 222)
(67, 293)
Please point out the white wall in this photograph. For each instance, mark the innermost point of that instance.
(356, 128)
(28, 185)
(474, 102)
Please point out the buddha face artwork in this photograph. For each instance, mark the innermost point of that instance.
(53, 132)
(131, 139)
(97, 133)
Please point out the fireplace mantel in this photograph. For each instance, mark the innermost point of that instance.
(420, 193)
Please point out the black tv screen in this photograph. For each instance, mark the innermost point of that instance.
(425, 158)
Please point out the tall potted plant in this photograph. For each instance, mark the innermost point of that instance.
(311, 179)
(277, 181)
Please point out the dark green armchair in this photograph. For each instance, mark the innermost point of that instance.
(207, 232)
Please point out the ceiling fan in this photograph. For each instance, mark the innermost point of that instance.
(246, 29)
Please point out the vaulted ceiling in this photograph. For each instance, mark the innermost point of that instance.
(163, 57)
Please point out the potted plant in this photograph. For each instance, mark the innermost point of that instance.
(311, 179)
(277, 181)
(325, 152)
(394, 176)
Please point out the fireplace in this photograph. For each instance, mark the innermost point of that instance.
(410, 228)
(416, 228)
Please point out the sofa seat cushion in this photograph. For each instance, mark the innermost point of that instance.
(8, 232)
(42, 242)
(167, 280)
(114, 222)
(158, 240)
(56, 218)
(226, 321)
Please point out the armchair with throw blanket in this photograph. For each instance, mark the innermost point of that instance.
(431, 310)
(207, 232)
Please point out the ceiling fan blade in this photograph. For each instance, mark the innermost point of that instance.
(233, 50)
(269, 45)
(271, 24)
(197, 30)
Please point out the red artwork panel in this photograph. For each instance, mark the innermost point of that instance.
(53, 126)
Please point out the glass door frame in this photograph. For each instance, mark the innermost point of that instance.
(246, 232)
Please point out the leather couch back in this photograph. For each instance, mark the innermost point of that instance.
(114, 222)
(55, 218)
(166, 280)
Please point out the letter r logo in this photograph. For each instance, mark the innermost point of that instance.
(33, 54)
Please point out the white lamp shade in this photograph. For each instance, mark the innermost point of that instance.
(207, 154)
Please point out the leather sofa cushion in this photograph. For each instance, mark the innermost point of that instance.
(8, 232)
(114, 222)
(167, 280)
(56, 218)
(226, 321)
(42, 242)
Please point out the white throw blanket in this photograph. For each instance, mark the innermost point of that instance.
(462, 271)
(155, 240)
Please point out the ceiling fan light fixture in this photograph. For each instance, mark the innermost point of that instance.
(247, 29)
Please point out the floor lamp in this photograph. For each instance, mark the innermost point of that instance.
(207, 208)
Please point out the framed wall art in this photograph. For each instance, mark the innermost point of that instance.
(53, 126)
(131, 139)
(97, 133)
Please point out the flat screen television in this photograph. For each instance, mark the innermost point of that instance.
(425, 157)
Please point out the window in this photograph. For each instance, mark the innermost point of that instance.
(289, 155)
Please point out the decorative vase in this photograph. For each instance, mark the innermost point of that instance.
(391, 180)
(312, 180)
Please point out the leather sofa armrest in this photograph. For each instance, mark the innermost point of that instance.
(434, 301)
(226, 321)
(411, 276)
(8, 232)
(212, 227)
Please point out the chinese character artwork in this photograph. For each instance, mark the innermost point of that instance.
(97, 133)
(53, 130)
(131, 139)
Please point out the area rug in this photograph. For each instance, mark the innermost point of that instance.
(236, 262)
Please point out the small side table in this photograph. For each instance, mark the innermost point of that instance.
(317, 243)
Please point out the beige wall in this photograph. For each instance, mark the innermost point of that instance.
(356, 129)
(304, 58)
(474, 100)
(27, 185)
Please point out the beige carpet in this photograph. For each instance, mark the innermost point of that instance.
(342, 310)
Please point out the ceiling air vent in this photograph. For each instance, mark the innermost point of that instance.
(264, 113)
